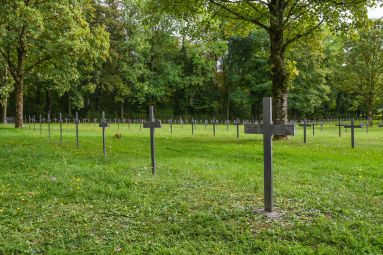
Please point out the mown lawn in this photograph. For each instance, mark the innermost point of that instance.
(57, 199)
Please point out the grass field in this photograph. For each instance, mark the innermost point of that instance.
(57, 199)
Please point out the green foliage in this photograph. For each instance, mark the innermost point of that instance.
(190, 58)
(310, 90)
(362, 70)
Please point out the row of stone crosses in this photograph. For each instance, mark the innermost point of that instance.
(264, 127)
(32, 119)
(105, 122)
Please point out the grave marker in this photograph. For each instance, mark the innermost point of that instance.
(214, 122)
(237, 123)
(268, 129)
(49, 125)
(305, 125)
(353, 126)
(77, 122)
(41, 127)
(103, 124)
(152, 124)
(61, 129)
(340, 125)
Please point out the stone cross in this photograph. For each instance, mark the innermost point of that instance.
(206, 123)
(313, 125)
(340, 125)
(352, 126)
(152, 124)
(61, 128)
(227, 125)
(171, 126)
(41, 128)
(77, 122)
(237, 123)
(49, 125)
(268, 129)
(214, 122)
(192, 125)
(103, 124)
(305, 125)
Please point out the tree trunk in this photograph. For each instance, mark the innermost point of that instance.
(19, 86)
(19, 89)
(370, 116)
(122, 110)
(278, 66)
(49, 100)
(4, 105)
(69, 106)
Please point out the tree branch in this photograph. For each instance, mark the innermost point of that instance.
(301, 35)
(37, 63)
(239, 15)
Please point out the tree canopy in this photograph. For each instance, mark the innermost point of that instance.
(203, 58)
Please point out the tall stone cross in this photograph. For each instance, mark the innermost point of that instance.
(305, 125)
(41, 128)
(339, 125)
(237, 122)
(352, 126)
(77, 122)
(103, 124)
(192, 125)
(61, 128)
(152, 124)
(227, 125)
(214, 123)
(268, 129)
(49, 125)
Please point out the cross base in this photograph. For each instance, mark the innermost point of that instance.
(270, 215)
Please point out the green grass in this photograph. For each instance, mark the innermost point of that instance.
(57, 199)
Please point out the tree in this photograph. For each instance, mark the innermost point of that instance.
(309, 90)
(286, 22)
(42, 33)
(6, 87)
(248, 71)
(363, 68)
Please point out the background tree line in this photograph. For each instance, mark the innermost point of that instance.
(122, 55)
